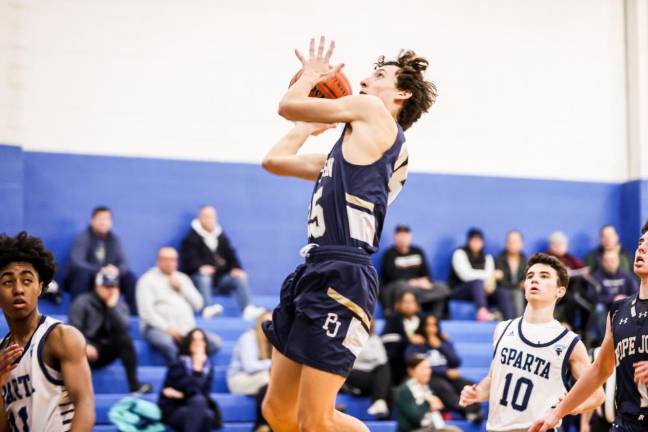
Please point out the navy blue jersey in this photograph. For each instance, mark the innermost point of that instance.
(629, 321)
(350, 201)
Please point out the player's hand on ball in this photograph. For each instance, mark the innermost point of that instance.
(548, 422)
(641, 372)
(317, 64)
(7, 358)
(469, 395)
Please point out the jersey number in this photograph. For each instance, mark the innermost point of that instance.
(528, 387)
(22, 413)
(316, 226)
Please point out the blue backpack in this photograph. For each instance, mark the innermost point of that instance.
(135, 415)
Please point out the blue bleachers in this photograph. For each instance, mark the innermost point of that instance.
(472, 339)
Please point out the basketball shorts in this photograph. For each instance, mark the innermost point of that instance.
(623, 423)
(326, 309)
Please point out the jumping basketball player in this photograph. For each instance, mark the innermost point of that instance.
(534, 356)
(626, 345)
(327, 304)
(44, 372)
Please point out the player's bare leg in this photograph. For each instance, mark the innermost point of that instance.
(316, 410)
(280, 403)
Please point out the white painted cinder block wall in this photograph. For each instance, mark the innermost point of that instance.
(527, 88)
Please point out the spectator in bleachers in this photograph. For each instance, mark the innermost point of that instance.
(417, 408)
(96, 249)
(613, 283)
(167, 300)
(509, 270)
(399, 332)
(104, 321)
(472, 278)
(184, 400)
(580, 298)
(404, 267)
(250, 364)
(371, 376)
(609, 241)
(249, 369)
(446, 380)
(212, 262)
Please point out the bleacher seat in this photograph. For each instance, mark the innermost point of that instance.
(472, 339)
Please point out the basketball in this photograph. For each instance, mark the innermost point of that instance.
(333, 88)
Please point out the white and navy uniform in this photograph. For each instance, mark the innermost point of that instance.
(629, 325)
(35, 398)
(530, 371)
(327, 303)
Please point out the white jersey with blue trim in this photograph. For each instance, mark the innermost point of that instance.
(349, 201)
(34, 396)
(528, 376)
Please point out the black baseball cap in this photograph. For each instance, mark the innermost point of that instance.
(402, 228)
(107, 279)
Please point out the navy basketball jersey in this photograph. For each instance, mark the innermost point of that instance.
(629, 321)
(350, 201)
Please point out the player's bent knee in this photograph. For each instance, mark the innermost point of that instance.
(313, 424)
(276, 414)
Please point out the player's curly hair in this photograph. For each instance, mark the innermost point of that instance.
(644, 229)
(410, 78)
(554, 263)
(26, 248)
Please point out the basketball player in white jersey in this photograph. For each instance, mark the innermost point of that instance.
(534, 356)
(44, 371)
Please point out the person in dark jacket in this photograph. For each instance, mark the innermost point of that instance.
(472, 278)
(446, 381)
(417, 408)
(104, 321)
(184, 400)
(207, 255)
(399, 332)
(404, 267)
(97, 249)
(609, 241)
(509, 270)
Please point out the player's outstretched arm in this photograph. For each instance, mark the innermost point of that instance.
(579, 363)
(67, 345)
(588, 383)
(283, 160)
(297, 106)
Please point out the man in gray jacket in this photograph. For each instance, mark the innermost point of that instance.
(167, 300)
(103, 319)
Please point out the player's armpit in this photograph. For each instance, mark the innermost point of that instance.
(67, 345)
(579, 363)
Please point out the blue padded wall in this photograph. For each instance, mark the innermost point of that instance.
(154, 201)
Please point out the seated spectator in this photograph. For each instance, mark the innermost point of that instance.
(613, 284)
(104, 322)
(404, 268)
(442, 357)
(184, 400)
(371, 376)
(580, 298)
(509, 270)
(399, 332)
(472, 278)
(97, 249)
(417, 409)
(249, 369)
(167, 300)
(609, 241)
(211, 261)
